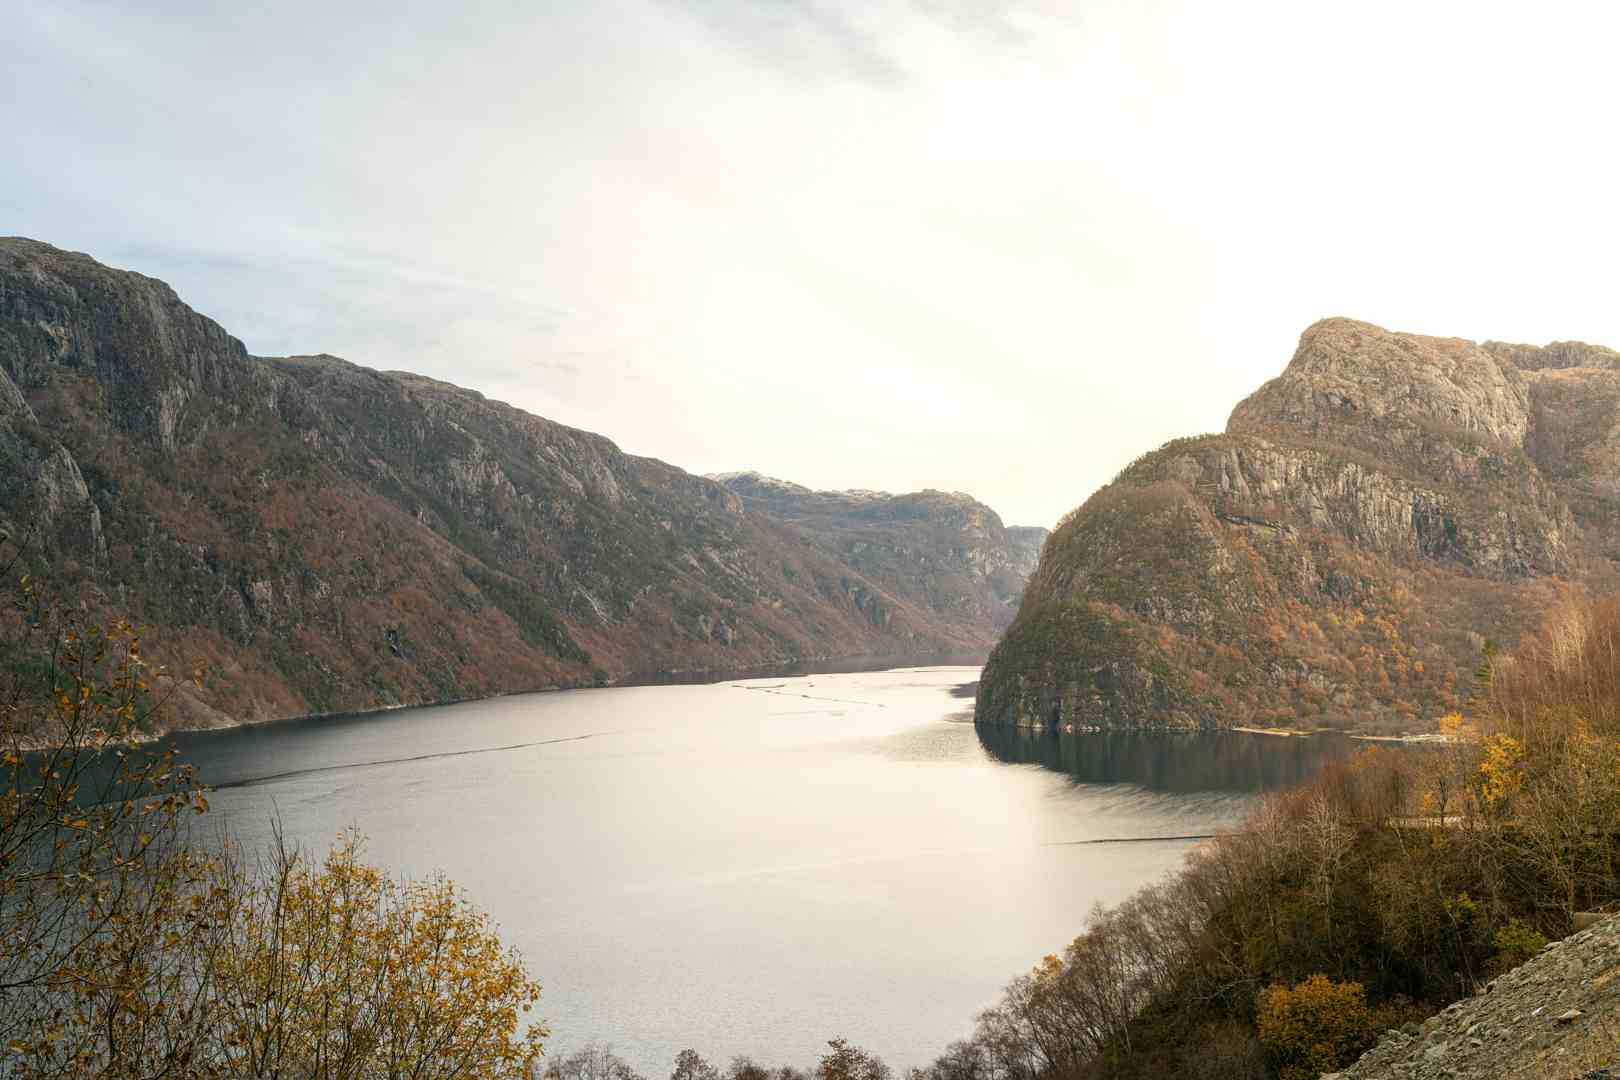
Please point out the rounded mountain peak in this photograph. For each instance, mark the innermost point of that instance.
(1355, 382)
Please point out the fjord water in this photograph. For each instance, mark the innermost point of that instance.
(757, 866)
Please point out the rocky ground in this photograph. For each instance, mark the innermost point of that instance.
(1556, 1017)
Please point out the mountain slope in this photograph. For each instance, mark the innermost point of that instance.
(946, 550)
(1554, 1017)
(1338, 556)
(334, 538)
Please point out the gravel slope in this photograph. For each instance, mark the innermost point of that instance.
(1555, 1017)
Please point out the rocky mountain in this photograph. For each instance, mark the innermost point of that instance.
(1340, 555)
(330, 538)
(1026, 542)
(945, 549)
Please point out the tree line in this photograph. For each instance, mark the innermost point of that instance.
(132, 945)
(1388, 886)
(135, 944)
(1385, 888)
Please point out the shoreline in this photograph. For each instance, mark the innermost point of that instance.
(1429, 737)
(818, 665)
(1418, 738)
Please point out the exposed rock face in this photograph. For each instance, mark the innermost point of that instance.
(41, 479)
(330, 537)
(946, 549)
(1560, 354)
(1369, 517)
(1556, 1017)
(1362, 385)
(1027, 541)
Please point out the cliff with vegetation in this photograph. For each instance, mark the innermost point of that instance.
(327, 537)
(1419, 911)
(1339, 556)
(942, 546)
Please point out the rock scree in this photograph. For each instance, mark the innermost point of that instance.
(1554, 1017)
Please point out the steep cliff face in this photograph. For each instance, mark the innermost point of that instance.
(946, 551)
(1360, 385)
(329, 537)
(1338, 556)
(1026, 542)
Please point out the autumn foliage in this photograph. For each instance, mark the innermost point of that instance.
(131, 946)
(1392, 884)
(347, 972)
(1315, 1026)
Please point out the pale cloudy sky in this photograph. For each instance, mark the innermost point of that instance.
(1000, 248)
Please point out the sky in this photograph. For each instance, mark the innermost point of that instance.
(999, 248)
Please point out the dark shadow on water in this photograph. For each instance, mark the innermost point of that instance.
(1170, 761)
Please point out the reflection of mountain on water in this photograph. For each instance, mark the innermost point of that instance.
(1167, 761)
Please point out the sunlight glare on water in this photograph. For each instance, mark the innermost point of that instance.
(757, 866)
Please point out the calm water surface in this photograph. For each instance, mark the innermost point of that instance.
(758, 866)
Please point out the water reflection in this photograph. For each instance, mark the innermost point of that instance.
(1183, 763)
(755, 866)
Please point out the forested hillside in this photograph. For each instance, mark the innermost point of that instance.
(1340, 556)
(1343, 912)
(326, 537)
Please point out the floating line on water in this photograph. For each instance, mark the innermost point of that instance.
(809, 697)
(1130, 840)
(252, 780)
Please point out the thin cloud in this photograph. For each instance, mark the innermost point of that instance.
(993, 247)
(805, 38)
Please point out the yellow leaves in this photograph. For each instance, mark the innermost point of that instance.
(408, 972)
(332, 955)
(1314, 1026)
(1500, 775)
(1453, 725)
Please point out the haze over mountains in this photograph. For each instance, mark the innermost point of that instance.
(1369, 522)
(328, 537)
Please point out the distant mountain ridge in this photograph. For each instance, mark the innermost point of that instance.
(942, 546)
(1340, 555)
(334, 538)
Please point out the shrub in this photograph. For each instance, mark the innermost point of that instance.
(1515, 943)
(845, 1062)
(128, 950)
(338, 964)
(1315, 1026)
(593, 1061)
